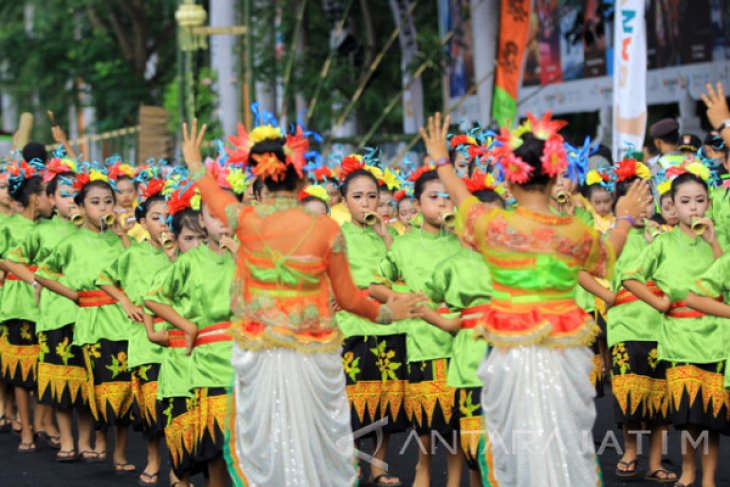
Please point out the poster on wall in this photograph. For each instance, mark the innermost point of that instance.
(572, 55)
(548, 37)
(531, 74)
(596, 37)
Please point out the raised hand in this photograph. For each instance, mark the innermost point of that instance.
(192, 141)
(636, 199)
(435, 136)
(717, 109)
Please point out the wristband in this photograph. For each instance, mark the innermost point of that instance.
(628, 219)
(198, 175)
(443, 161)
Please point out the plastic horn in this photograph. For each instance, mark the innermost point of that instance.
(371, 219)
(698, 227)
(167, 242)
(108, 219)
(562, 197)
(77, 219)
(449, 220)
(653, 231)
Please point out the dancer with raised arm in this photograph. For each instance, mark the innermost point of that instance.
(537, 399)
(290, 420)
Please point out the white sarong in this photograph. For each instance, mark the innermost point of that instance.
(292, 420)
(537, 403)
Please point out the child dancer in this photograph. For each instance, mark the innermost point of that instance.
(127, 279)
(194, 297)
(429, 400)
(638, 379)
(373, 355)
(61, 370)
(461, 282)
(98, 328)
(689, 341)
(18, 307)
(601, 199)
(315, 199)
(538, 331)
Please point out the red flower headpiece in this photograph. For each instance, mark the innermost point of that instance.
(462, 139)
(631, 168)
(420, 172)
(321, 174)
(153, 187)
(399, 195)
(218, 173)
(351, 164)
(54, 167)
(268, 165)
(180, 199)
(81, 180)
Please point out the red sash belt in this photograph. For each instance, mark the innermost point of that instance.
(470, 316)
(12, 277)
(679, 309)
(157, 319)
(91, 299)
(625, 296)
(209, 334)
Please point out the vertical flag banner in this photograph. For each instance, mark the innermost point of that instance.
(629, 77)
(514, 24)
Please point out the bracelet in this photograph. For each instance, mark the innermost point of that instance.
(198, 175)
(628, 219)
(443, 161)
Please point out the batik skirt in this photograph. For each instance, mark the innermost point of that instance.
(19, 353)
(697, 396)
(429, 398)
(62, 379)
(109, 382)
(145, 405)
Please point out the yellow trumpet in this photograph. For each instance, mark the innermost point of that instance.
(654, 232)
(449, 220)
(108, 219)
(698, 227)
(167, 242)
(77, 219)
(562, 197)
(371, 219)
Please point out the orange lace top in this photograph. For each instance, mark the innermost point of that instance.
(289, 265)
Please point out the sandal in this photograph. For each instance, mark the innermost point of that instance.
(149, 476)
(377, 481)
(53, 442)
(67, 456)
(628, 472)
(662, 475)
(122, 468)
(4, 424)
(680, 484)
(29, 447)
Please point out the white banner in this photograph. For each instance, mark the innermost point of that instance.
(629, 79)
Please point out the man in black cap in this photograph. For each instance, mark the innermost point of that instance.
(664, 134)
(689, 144)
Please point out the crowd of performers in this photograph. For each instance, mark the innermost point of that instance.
(253, 310)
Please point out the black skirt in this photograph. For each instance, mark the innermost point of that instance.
(376, 378)
(469, 422)
(429, 399)
(19, 353)
(62, 380)
(110, 382)
(145, 406)
(639, 383)
(179, 414)
(697, 396)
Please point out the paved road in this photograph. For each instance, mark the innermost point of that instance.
(41, 470)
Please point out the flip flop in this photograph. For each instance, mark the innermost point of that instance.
(67, 456)
(53, 442)
(29, 447)
(148, 476)
(120, 468)
(655, 477)
(90, 456)
(628, 473)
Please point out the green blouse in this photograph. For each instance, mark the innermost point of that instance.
(462, 281)
(54, 311)
(411, 260)
(133, 272)
(198, 287)
(635, 321)
(720, 214)
(365, 251)
(174, 377)
(76, 263)
(674, 261)
(18, 298)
